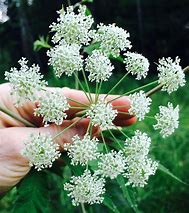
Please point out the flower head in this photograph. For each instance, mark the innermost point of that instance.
(65, 58)
(52, 107)
(167, 119)
(72, 27)
(41, 151)
(102, 114)
(138, 146)
(171, 75)
(99, 66)
(26, 82)
(112, 38)
(138, 172)
(140, 105)
(81, 151)
(136, 64)
(86, 188)
(112, 164)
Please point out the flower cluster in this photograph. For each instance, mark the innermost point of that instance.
(65, 58)
(167, 119)
(99, 66)
(99, 161)
(112, 38)
(72, 27)
(81, 151)
(112, 164)
(136, 64)
(140, 105)
(139, 166)
(102, 114)
(171, 75)
(86, 188)
(26, 82)
(52, 107)
(40, 151)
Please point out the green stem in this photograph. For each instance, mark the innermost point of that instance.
(76, 81)
(117, 84)
(83, 88)
(122, 132)
(134, 90)
(64, 130)
(115, 139)
(77, 102)
(16, 117)
(104, 142)
(87, 85)
(83, 208)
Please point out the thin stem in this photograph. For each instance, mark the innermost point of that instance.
(82, 88)
(154, 90)
(96, 91)
(104, 142)
(158, 87)
(151, 117)
(83, 208)
(16, 117)
(115, 139)
(122, 132)
(99, 90)
(81, 113)
(87, 85)
(76, 81)
(117, 84)
(77, 102)
(64, 130)
(73, 107)
(134, 90)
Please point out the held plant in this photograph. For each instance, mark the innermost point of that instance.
(96, 160)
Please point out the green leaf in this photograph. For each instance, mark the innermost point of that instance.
(89, 49)
(166, 171)
(32, 194)
(110, 204)
(128, 194)
(41, 43)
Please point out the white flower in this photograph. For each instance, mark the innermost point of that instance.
(140, 105)
(138, 172)
(86, 188)
(170, 74)
(112, 38)
(52, 107)
(99, 66)
(26, 82)
(73, 28)
(138, 146)
(136, 64)
(139, 167)
(81, 151)
(112, 164)
(102, 114)
(65, 58)
(167, 119)
(41, 151)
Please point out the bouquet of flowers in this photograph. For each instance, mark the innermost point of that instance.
(94, 159)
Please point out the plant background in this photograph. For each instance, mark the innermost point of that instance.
(158, 28)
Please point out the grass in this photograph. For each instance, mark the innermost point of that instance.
(163, 193)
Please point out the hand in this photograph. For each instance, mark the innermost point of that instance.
(13, 166)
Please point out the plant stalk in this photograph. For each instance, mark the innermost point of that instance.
(16, 117)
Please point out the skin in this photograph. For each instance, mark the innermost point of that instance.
(13, 166)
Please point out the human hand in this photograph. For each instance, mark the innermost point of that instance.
(13, 166)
